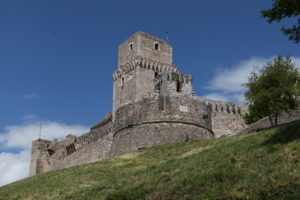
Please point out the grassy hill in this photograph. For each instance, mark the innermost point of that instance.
(264, 165)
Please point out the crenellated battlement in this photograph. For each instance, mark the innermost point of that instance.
(226, 108)
(226, 118)
(145, 64)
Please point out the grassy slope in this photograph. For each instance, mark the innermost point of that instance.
(264, 165)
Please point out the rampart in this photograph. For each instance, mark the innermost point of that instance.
(89, 147)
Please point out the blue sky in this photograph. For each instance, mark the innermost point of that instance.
(57, 58)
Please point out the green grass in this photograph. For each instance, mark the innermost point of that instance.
(264, 165)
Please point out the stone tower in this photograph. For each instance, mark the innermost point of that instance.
(143, 61)
(153, 103)
(39, 157)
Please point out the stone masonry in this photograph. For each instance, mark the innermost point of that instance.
(153, 104)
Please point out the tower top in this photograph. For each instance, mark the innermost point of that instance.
(144, 45)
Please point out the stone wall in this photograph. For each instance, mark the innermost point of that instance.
(265, 123)
(146, 46)
(160, 120)
(145, 135)
(90, 147)
(174, 84)
(226, 118)
(146, 79)
(94, 151)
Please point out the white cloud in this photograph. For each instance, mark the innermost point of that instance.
(15, 166)
(226, 84)
(21, 136)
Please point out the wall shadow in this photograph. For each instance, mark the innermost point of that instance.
(285, 134)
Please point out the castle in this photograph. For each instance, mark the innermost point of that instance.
(153, 104)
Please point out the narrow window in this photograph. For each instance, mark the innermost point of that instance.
(168, 77)
(131, 47)
(156, 46)
(178, 86)
(156, 74)
(123, 80)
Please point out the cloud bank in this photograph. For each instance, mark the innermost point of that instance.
(15, 166)
(226, 84)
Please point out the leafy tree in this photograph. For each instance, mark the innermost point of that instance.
(282, 9)
(272, 90)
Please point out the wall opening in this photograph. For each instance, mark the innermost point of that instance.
(227, 109)
(156, 74)
(233, 110)
(50, 152)
(71, 148)
(156, 46)
(131, 47)
(178, 86)
(123, 80)
(187, 138)
(157, 87)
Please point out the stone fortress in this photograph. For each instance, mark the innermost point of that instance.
(153, 104)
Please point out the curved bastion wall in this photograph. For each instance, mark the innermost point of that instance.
(161, 120)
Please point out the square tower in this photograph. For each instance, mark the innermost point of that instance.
(141, 58)
(144, 45)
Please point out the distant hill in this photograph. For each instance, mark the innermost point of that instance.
(263, 165)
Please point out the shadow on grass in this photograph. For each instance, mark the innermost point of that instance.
(290, 192)
(285, 134)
